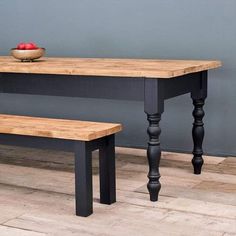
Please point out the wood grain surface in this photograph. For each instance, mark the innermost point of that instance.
(139, 68)
(37, 196)
(56, 128)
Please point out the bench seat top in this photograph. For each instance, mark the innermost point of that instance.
(56, 128)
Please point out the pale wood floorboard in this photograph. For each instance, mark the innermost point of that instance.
(37, 196)
(10, 231)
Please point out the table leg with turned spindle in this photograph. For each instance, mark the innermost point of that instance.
(198, 98)
(154, 105)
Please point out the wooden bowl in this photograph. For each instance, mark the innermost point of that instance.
(27, 55)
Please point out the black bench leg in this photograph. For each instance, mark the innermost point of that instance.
(83, 179)
(107, 171)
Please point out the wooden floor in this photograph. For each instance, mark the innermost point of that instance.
(37, 196)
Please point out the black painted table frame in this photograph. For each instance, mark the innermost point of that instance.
(150, 90)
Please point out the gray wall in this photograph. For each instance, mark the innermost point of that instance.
(184, 29)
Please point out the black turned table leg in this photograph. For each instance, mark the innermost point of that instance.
(154, 106)
(107, 171)
(83, 179)
(198, 135)
(198, 96)
(154, 155)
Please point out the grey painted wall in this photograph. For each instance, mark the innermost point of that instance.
(184, 29)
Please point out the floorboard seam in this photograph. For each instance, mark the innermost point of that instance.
(9, 226)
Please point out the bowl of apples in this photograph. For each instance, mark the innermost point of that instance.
(27, 52)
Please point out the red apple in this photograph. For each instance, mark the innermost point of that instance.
(29, 46)
(21, 46)
(34, 45)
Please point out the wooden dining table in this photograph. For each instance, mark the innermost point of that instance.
(149, 80)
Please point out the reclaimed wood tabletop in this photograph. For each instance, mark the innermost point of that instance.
(138, 68)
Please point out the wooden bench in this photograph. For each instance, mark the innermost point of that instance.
(86, 137)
